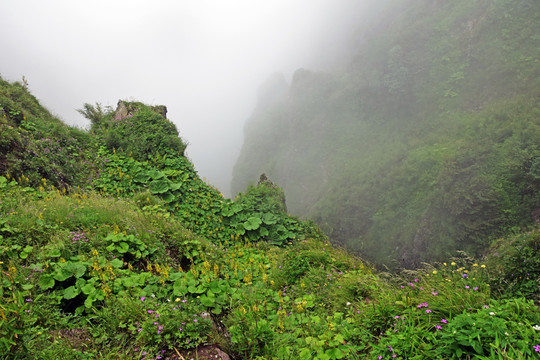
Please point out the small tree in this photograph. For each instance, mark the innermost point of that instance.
(94, 113)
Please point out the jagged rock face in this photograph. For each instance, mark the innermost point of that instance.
(121, 111)
(125, 109)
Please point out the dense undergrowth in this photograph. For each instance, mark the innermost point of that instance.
(138, 258)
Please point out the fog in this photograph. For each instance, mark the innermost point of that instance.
(203, 59)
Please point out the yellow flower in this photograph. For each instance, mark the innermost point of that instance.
(453, 263)
(434, 272)
(444, 264)
(483, 266)
(475, 265)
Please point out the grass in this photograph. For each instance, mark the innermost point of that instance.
(146, 261)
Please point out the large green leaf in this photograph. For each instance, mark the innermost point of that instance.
(46, 282)
(155, 174)
(169, 197)
(252, 223)
(269, 218)
(159, 186)
(71, 292)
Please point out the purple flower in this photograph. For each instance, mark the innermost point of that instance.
(150, 311)
(434, 293)
(464, 276)
(536, 348)
(180, 329)
(194, 320)
(428, 311)
(475, 288)
(379, 357)
(444, 321)
(142, 298)
(467, 287)
(438, 327)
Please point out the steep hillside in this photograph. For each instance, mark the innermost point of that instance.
(427, 143)
(143, 260)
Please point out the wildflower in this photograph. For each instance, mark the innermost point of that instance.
(475, 265)
(475, 288)
(428, 311)
(491, 313)
(486, 306)
(139, 329)
(402, 286)
(464, 276)
(434, 272)
(444, 321)
(467, 287)
(180, 329)
(150, 311)
(415, 280)
(483, 266)
(177, 299)
(536, 327)
(142, 298)
(195, 320)
(444, 264)
(379, 357)
(434, 293)
(396, 317)
(536, 348)
(28, 300)
(453, 263)
(438, 327)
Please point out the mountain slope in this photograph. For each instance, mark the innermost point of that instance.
(143, 260)
(426, 144)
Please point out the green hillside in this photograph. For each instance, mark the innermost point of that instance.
(112, 247)
(426, 144)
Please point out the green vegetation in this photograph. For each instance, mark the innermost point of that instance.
(426, 144)
(135, 257)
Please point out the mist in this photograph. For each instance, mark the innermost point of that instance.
(202, 59)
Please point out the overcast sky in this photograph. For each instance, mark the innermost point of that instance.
(203, 59)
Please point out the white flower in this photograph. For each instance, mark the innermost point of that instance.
(491, 313)
(348, 303)
(536, 327)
